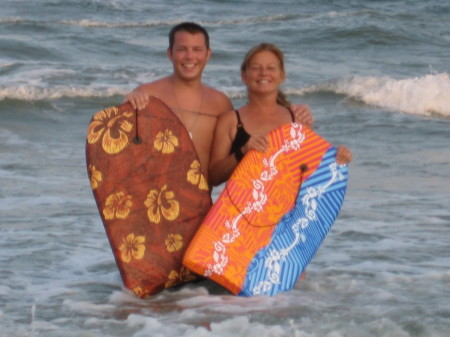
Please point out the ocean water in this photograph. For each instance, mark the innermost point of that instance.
(374, 73)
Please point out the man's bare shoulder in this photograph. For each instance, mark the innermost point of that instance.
(216, 94)
(218, 100)
(155, 88)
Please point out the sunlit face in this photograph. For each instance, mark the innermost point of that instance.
(264, 72)
(189, 55)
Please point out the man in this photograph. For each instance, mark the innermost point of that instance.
(198, 106)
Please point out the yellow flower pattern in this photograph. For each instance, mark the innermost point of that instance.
(196, 177)
(162, 204)
(174, 242)
(138, 291)
(112, 128)
(117, 205)
(95, 176)
(165, 142)
(132, 248)
(176, 278)
(137, 207)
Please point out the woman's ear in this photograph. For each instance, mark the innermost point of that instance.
(244, 76)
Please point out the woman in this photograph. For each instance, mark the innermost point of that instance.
(238, 131)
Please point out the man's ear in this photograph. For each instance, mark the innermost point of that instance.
(169, 53)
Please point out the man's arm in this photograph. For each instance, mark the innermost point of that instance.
(303, 114)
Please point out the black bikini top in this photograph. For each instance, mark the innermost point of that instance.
(242, 136)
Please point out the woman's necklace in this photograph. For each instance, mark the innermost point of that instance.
(180, 112)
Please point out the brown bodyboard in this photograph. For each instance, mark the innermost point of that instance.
(150, 191)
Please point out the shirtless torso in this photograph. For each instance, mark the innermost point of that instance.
(198, 108)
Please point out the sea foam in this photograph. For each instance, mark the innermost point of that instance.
(427, 95)
(37, 93)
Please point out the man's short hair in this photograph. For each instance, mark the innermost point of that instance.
(190, 27)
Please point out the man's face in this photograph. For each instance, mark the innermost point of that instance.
(189, 55)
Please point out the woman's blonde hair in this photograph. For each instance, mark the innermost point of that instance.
(281, 98)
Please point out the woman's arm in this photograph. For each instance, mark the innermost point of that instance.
(222, 163)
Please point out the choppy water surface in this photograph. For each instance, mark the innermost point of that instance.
(375, 75)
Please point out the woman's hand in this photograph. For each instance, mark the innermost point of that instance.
(343, 155)
(258, 143)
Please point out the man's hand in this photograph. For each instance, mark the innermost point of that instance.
(138, 99)
(303, 114)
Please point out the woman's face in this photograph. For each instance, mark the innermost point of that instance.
(263, 73)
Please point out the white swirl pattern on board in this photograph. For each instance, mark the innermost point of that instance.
(274, 261)
(220, 257)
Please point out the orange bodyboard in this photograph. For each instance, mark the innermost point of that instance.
(262, 189)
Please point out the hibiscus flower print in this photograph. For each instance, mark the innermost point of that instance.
(117, 205)
(174, 242)
(196, 177)
(165, 142)
(112, 128)
(95, 176)
(138, 291)
(176, 278)
(162, 204)
(132, 248)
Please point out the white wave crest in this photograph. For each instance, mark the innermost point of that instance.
(35, 93)
(13, 19)
(258, 19)
(103, 24)
(156, 23)
(223, 22)
(428, 95)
